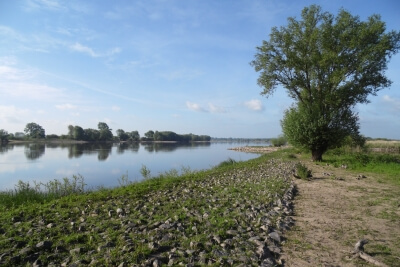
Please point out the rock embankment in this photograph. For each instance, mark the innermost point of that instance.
(230, 218)
(255, 149)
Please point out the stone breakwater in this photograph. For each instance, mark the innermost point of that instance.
(255, 149)
(230, 218)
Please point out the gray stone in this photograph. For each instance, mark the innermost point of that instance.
(44, 245)
(275, 236)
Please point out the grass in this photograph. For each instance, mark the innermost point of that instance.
(387, 165)
(206, 203)
(25, 193)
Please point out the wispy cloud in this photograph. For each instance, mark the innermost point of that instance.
(195, 107)
(89, 51)
(84, 49)
(182, 75)
(12, 114)
(393, 102)
(32, 5)
(216, 109)
(115, 108)
(211, 108)
(254, 104)
(66, 106)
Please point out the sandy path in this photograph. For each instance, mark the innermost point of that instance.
(333, 212)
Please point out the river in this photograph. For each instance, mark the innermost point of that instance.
(104, 164)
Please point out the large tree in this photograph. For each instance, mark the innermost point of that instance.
(34, 130)
(105, 131)
(327, 65)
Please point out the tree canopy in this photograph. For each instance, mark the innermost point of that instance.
(34, 130)
(327, 65)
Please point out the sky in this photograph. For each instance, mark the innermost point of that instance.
(165, 65)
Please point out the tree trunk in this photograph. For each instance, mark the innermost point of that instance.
(316, 154)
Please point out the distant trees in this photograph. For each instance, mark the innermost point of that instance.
(103, 133)
(171, 136)
(34, 130)
(122, 135)
(134, 136)
(3, 136)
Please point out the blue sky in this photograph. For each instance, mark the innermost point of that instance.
(178, 65)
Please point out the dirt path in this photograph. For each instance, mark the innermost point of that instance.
(334, 210)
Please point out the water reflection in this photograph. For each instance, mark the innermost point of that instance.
(103, 150)
(104, 163)
(34, 151)
(169, 147)
(133, 147)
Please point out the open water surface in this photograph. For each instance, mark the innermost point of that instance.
(104, 164)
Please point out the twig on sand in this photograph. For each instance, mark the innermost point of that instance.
(359, 252)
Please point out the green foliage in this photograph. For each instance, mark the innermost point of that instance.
(3, 136)
(302, 171)
(24, 193)
(310, 128)
(280, 141)
(386, 165)
(122, 135)
(327, 64)
(34, 130)
(227, 162)
(105, 132)
(145, 172)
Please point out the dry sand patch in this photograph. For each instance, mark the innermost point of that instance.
(334, 210)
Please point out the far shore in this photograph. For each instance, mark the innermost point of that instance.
(69, 141)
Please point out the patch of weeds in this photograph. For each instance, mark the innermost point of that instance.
(374, 202)
(124, 180)
(302, 171)
(75, 239)
(375, 249)
(389, 215)
(227, 162)
(145, 172)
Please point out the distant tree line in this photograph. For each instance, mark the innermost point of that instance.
(171, 136)
(103, 133)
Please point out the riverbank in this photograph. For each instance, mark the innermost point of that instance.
(240, 214)
(231, 215)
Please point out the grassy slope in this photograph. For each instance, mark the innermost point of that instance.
(178, 216)
(369, 206)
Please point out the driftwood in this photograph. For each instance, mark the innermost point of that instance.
(359, 252)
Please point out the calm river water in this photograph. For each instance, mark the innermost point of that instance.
(104, 164)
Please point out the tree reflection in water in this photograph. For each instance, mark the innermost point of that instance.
(34, 150)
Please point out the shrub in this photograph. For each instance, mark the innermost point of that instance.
(302, 171)
(280, 141)
(227, 162)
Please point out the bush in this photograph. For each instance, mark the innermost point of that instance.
(302, 171)
(227, 162)
(280, 141)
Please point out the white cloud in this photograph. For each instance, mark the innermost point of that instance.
(12, 114)
(194, 107)
(89, 51)
(66, 106)
(215, 109)
(44, 4)
(84, 49)
(182, 75)
(115, 108)
(393, 102)
(254, 104)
